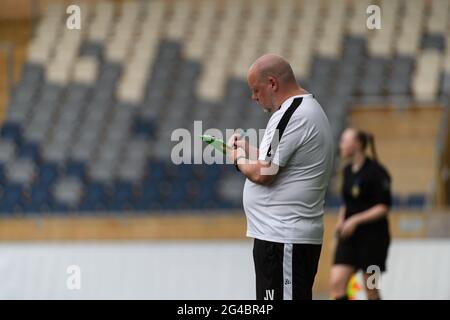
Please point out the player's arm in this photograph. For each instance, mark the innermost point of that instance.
(378, 211)
(381, 185)
(257, 171)
(374, 213)
(341, 218)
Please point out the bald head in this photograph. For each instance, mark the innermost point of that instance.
(272, 65)
(272, 81)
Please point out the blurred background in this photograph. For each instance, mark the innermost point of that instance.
(86, 116)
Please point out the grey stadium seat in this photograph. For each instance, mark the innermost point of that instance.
(7, 151)
(68, 190)
(21, 171)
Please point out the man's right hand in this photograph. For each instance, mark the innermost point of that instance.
(235, 142)
(232, 141)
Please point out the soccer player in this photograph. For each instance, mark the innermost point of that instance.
(287, 178)
(362, 228)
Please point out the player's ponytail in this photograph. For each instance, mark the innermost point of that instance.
(371, 144)
(366, 140)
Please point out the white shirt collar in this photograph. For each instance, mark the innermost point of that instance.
(289, 100)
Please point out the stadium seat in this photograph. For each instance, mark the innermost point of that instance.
(416, 201)
(11, 199)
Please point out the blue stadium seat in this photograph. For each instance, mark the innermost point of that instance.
(144, 127)
(39, 198)
(11, 199)
(177, 194)
(32, 72)
(51, 92)
(147, 196)
(91, 48)
(416, 201)
(185, 172)
(155, 170)
(433, 41)
(212, 172)
(397, 201)
(95, 197)
(332, 201)
(2, 174)
(75, 168)
(29, 150)
(59, 208)
(121, 196)
(48, 172)
(11, 131)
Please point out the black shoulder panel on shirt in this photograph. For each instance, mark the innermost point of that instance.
(283, 124)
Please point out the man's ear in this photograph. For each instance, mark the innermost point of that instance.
(273, 83)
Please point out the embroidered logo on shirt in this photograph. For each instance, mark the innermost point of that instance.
(355, 191)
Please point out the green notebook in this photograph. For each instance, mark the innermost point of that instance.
(216, 143)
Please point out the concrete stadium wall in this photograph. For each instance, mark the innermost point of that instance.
(215, 226)
(417, 269)
(127, 270)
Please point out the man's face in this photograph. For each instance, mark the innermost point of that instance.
(261, 91)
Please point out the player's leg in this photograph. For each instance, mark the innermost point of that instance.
(339, 278)
(268, 259)
(344, 266)
(374, 254)
(372, 293)
(305, 261)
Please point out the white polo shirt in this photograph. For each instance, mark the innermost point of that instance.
(290, 209)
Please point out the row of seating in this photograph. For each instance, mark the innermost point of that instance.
(49, 187)
(95, 109)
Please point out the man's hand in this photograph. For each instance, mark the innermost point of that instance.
(232, 141)
(250, 151)
(259, 172)
(236, 151)
(348, 228)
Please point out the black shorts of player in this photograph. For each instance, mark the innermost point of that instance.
(363, 252)
(285, 271)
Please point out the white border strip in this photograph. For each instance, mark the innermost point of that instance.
(287, 271)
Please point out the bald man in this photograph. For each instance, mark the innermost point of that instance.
(287, 178)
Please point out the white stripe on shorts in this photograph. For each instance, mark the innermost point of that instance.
(287, 271)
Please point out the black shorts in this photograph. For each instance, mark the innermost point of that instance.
(285, 271)
(362, 252)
